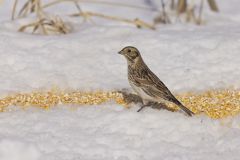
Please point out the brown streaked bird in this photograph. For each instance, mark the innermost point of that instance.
(145, 83)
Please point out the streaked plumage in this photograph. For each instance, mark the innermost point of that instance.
(145, 83)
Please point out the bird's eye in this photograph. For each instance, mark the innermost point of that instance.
(128, 50)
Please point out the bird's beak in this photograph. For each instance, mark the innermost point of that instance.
(120, 52)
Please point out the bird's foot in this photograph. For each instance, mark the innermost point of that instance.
(141, 108)
(145, 105)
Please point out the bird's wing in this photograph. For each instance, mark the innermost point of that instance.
(153, 86)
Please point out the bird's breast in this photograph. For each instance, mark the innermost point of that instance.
(141, 92)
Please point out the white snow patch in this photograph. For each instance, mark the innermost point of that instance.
(11, 149)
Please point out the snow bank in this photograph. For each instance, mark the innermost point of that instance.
(112, 132)
(195, 58)
(185, 57)
(11, 149)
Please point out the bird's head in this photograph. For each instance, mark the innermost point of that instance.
(131, 54)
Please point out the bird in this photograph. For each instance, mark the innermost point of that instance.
(145, 83)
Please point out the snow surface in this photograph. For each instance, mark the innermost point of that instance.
(186, 57)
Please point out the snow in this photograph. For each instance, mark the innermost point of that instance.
(186, 57)
(111, 132)
(72, 62)
(16, 149)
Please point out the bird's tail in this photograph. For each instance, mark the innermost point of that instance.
(185, 109)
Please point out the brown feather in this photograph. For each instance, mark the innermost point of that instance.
(141, 76)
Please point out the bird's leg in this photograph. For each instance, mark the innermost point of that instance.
(144, 105)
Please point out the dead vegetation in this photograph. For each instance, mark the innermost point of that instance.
(51, 24)
(188, 10)
(45, 24)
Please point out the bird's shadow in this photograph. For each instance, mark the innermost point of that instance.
(133, 98)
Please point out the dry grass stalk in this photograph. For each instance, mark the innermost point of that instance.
(116, 4)
(14, 9)
(49, 26)
(162, 17)
(189, 9)
(58, 26)
(40, 15)
(182, 6)
(190, 15)
(86, 15)
(28, 7)
(46, 25)
(139, 23)
(199, 19)
(213, 5)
